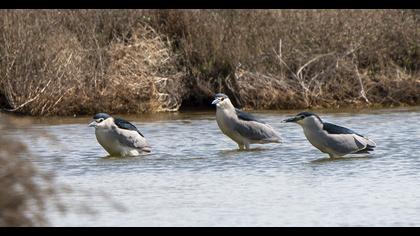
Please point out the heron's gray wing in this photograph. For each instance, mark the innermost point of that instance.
(335, 129)
(348, 143)
(256, 131)
(131, 138)
(123, 124)
(345, 140)
(246, 116)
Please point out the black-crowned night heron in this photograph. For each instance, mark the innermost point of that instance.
(241, 127)
(119, 137)
(335, 140)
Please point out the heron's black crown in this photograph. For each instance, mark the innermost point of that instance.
(101, 115)
(220, 95)
(307, 114)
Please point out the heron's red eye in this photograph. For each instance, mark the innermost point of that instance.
(222, 99)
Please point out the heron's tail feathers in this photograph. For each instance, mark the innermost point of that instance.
(365, 141)
(367, 149)
(370, 143)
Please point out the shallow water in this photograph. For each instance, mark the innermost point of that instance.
(195, 175)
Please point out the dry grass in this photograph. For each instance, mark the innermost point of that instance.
(80, 62)
(143, 67)
(300, 58)
(64, 62)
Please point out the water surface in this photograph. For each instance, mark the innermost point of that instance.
(195, 175)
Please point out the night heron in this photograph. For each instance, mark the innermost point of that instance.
(119, 137)
(335, 140)
(241, 127)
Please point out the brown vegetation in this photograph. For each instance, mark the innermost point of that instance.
(82, 61)
(300, 58)
(24, 190)
(63, 62)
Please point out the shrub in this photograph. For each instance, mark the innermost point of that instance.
(64, 62)
(81, 62)
(342, 56)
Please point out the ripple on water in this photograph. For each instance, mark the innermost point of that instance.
(195, 175)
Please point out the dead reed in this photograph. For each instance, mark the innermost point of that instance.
(65, 62)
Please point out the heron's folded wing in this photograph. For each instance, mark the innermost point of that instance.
(348, 140)
(131, 138)
(123, 124)
(335, 129)
(254, 130)
(246, 116)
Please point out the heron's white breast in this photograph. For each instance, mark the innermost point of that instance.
(107, 141)
(225, 119)
(317, 137)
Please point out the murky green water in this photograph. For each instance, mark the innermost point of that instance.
(196, 177)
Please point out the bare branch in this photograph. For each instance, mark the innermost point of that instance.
(32, 99)
(362, 91)
(299, 72)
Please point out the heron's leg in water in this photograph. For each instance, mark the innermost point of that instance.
(246, 145)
